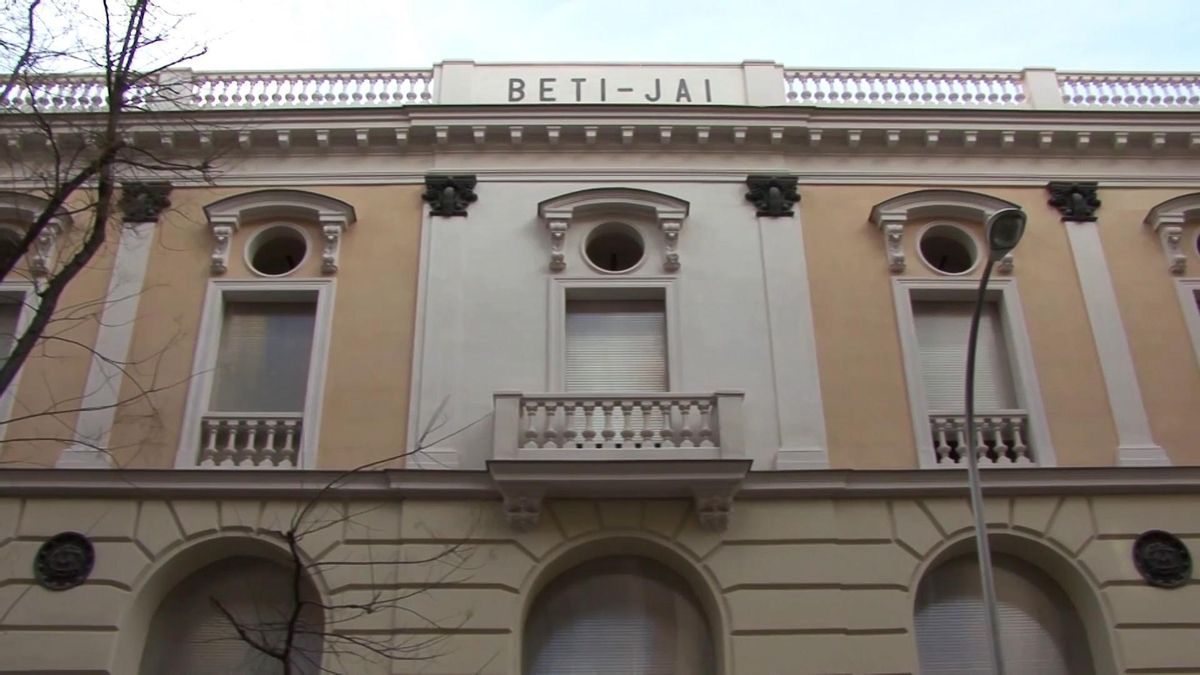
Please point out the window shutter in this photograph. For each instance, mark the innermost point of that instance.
(942, 331)
(189, 634)
(618, 616)
(1040, 632)
(616, 346)
(262, 364)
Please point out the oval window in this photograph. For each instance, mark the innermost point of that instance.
(277, 251)
(614, 247)
(948, 249)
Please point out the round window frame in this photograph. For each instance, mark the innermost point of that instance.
(970, 236)
(1196, 242)
(613, 224)
(254, 242)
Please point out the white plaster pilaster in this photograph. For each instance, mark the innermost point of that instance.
(793, 343)
(1135, 445)
(103, 389)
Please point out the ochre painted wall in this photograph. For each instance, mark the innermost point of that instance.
(50, 385)
(862, 373)
(370, 355)
(1164, 358)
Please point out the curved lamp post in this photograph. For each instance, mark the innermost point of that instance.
(1003, 231)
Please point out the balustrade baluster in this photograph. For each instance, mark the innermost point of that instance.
(229, 452)
(685, 424)
(287, 453)
(531, 435)
(669, 431)
(1020, 450)
(248, 453)
(1001, 448)
(208, 453)
(268, 455)
(706, 431)
(589, 433)
(648, 418)
(569, 434)
(551, 430)
(627, 424)
(941, 448)
(607, 432)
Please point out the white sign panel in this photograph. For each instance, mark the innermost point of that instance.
(462, 83)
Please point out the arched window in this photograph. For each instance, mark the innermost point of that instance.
(1040, 631)
(618, 616)
(191, 634)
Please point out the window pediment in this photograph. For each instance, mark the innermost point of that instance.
(1168, 219)
(665, 211)
(332, 215)
(25, 209)
(893, 214)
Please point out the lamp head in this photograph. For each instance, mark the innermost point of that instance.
(1003, 231)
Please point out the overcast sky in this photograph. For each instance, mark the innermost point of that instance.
(1066, 34)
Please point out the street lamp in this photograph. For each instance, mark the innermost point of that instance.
(1003, 231)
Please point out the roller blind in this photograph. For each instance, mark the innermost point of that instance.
(616, 346)
(189, 634)
(942, 331)
(262, 364)
(618, 616)
(1040, 632)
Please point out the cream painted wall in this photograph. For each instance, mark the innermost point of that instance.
(793, 586)
(365, 399)
(50, 385)
(1163, 355)
(862, 374)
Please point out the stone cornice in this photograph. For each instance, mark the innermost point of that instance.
(431, 484)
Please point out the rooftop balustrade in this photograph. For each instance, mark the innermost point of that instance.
(454, 83)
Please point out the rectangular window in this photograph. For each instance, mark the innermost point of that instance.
(616, 346)
(942, 332)
(10, 312)
(255, 399)
(262, 363)
(934, 320)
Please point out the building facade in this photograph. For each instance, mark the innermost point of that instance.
(596, 368)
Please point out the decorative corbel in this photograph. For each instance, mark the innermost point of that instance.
(774, 196)
(1005, 266)
(44, 248)
(449, 195)
(893, 241)
(714, 507)
(670, 230)
(1172, 237)
(523, 509)
(332, 235)
(1077, 202)
(144, 202)
(558, 233)
(222, 231)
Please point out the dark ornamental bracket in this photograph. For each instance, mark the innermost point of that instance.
(1077, 202)
(449, 195)
(1162, 559)
(144, 202)
(64, 561)
(773, 196)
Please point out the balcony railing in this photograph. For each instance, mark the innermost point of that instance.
(1001, 439)
(250, 440)
(618, 426)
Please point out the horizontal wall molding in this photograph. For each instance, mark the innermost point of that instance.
(451, 484)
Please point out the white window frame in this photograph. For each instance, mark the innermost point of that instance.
(1003, 291)
(1187, 290)
(25, 294)
(607, 288)
(208, 344)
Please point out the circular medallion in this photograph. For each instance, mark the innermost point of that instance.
(1162, 559)
(64, 561)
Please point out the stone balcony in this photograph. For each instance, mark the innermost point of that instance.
(618, 444)
(1001, 439)
(250, 440)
